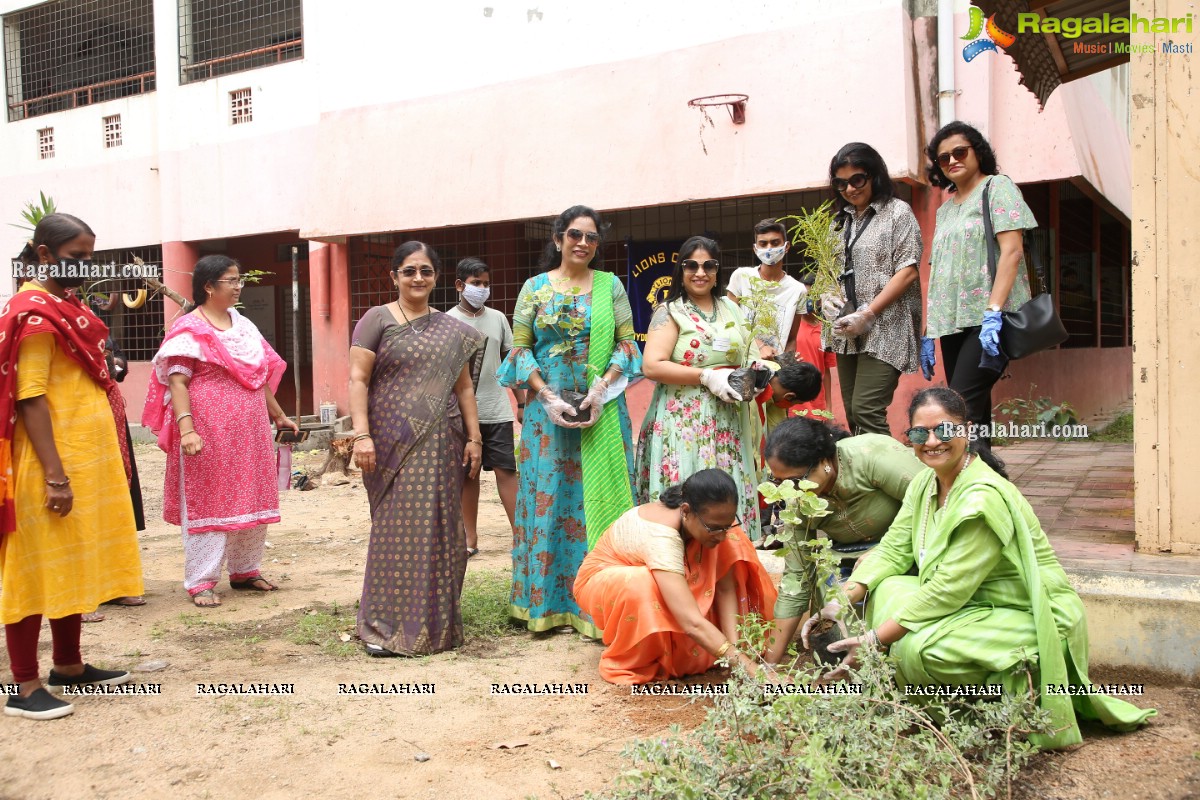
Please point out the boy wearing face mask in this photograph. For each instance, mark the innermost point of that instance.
(770, 247)
(495, 414)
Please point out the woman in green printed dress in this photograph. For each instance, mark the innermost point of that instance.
(696, 420)
(989, 596)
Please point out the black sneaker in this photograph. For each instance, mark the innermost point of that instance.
(89, 677)
(39, 705)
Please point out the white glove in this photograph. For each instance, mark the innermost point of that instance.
(717, 382)
(856, 324)
(832, 305)
(557, 409)
(830, 612)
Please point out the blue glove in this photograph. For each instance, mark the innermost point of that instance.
(928, 359)
(989, 334)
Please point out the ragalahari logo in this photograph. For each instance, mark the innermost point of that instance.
(993, 36)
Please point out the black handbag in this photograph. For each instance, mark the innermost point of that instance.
(1033, 327)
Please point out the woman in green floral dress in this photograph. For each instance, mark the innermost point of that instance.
(696, 420)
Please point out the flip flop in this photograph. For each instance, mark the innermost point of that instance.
(125, 601)
(92, 616)
(472, 552)
(248, 585)
(207, 594)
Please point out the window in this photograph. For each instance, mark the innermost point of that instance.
(219, 37)
(45, 143)
(138, 331)
(241, 109)
(74, 53)
(112, 131)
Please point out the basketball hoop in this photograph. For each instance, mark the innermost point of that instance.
(736, 103)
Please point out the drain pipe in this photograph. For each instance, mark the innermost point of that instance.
(945, 62)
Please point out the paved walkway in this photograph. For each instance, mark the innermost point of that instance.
(1083, 495)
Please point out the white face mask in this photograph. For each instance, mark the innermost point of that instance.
(770, 255)
(476, 295)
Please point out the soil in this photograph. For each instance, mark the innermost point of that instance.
(825, 634)
(574, 400)
(345, 746)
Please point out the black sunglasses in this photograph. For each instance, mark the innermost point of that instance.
(959, 153)
(691, 265)
(945, 431)
(576, 235)
(857, 180)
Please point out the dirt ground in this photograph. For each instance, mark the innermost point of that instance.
(331, 745)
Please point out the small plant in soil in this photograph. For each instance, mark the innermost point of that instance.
(814, 239)
(561, 313)
(762, 318)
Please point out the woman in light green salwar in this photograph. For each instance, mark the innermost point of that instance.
(989, 594)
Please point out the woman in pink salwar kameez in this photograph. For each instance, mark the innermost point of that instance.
(218, 376)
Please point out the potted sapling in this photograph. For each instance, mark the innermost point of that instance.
(761, 313)
(813, 235)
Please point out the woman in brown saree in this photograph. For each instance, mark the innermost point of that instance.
(416, 427)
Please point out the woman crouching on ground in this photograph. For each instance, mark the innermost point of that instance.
(989, 595)
(670, 581)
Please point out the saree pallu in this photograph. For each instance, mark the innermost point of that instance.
(644, 642)
(417, 556)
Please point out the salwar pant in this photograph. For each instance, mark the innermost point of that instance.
(868, 385)
(961, 353)
(22, 640)
(204, 554)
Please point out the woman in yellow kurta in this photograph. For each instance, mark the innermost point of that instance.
(67, 534)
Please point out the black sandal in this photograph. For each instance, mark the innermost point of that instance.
(249, 585)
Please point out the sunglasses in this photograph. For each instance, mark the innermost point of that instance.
(958, 154)
(411, 272)
(691, 265)
(945, 431)
(576, 235)
(737, 521)
(857, 180)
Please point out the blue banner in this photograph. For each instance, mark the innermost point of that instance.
(650, 268)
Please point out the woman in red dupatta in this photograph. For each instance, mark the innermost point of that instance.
(669, 582)
(219, 375)
(67, 536)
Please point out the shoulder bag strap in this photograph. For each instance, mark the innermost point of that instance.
(989, 233)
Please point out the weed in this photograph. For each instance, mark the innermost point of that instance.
(1119, 430)
(484, 604)
(325, 630)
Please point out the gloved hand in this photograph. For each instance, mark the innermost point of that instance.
(594, 401)
(717, 382)
(855, 324)
(557, 409)
(830, 612)
(989, 334)
(928, 358)
(832, 305)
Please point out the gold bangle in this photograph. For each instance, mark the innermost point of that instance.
(360, 437)
(723, 649)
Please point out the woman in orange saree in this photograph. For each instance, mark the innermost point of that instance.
(669, 582)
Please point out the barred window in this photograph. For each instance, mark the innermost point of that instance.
(72, 53)
(112, 131)
(219, 37)
(45, 143)
(138, 331)
(241, 107)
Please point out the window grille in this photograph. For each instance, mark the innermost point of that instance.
(220, 37)
(241, 107)
(138, 332)
(512, 249)
(112, 131)
(74, 53)
(45, 143)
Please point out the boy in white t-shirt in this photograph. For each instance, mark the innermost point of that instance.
(495, 414)
(771, 246)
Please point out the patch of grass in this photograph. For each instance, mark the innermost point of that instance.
(325, 629)
(1119, 430)
(484, 604)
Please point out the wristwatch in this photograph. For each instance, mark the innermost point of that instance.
(994, 307)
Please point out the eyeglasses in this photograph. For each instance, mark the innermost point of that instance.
(234, 283)
(804, 477)
(576, 235)
(411, 272)
(737, 521)
(945, 431)
(958, 153)
(692, 265)
(857, 180)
